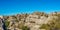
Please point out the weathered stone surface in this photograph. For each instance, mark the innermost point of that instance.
(32, 21)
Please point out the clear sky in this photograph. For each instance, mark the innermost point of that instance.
(10, 7)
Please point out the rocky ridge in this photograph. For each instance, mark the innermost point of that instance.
(34, 21)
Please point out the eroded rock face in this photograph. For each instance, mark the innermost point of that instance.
(2, 23)
(32, 21)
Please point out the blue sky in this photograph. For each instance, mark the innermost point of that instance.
(10, 7)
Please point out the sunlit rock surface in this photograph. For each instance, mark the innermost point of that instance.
(28, 21)
(1, 23)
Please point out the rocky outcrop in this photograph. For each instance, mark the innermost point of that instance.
(27, 21)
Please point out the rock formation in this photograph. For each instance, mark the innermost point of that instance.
(34, 21)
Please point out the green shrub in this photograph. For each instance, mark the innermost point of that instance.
(44, 26)
(25, 28)
(7, 23)
(54, 25)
